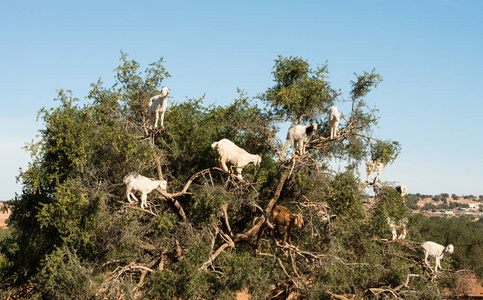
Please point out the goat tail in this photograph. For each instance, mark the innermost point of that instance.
(214, 145)
(277, 208)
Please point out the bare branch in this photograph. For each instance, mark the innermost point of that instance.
(130, 206)
(213, 257)
(335, 296)
(146, 270)
(227, 223)
(283, 268)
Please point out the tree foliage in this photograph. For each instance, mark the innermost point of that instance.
(299, 92)
(73, 235)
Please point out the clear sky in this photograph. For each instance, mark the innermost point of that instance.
(429, 53)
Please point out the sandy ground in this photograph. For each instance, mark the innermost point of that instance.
(475, 287)
(3, 217)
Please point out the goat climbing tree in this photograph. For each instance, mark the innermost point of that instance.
(208, 235)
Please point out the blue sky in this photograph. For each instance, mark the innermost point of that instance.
(429, 53)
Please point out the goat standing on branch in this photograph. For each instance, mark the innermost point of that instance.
(334, 118)
(299, 135)
(436, 250)
(136, 182)
(229, 152)
(396, 226)
(374, 166)
(285, 218)
(157, 106)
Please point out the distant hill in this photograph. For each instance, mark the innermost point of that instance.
(441, 205)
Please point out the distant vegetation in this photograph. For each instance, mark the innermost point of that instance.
(4, 233)
(73, 235)
(465, 235)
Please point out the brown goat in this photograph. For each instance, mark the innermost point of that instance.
(285, 218)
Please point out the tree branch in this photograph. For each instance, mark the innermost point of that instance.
(213, 257)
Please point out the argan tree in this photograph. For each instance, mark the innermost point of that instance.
(209, 235)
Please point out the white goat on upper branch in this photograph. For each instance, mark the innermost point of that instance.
(299, 136)
(334, 118)
(229, 152)
(136, 182)
(374, 166)
(157, 106)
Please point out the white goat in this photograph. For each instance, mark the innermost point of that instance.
(157, 105)
(136, 182)
(229, 152)
(398, 226)
(299, 135)
(334, 118)
(436, 250)
(374, 166)
(402, 190)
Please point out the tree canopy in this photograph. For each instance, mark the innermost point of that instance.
(75, 236)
